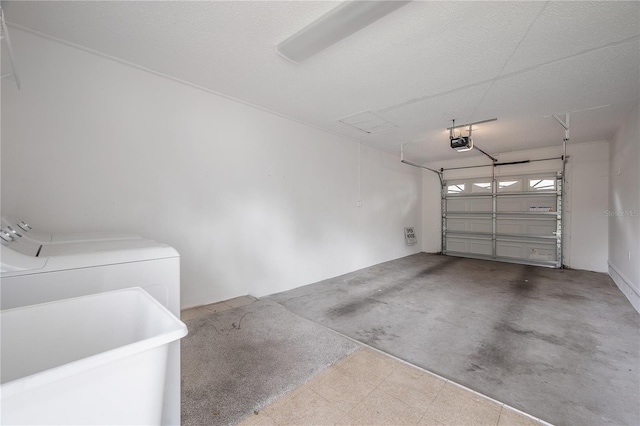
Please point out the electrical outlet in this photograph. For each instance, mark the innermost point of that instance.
(629, 255)
(359, 203)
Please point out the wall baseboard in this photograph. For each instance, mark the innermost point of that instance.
(625, 286)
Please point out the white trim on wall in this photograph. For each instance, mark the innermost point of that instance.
(625, 285)
(169, 77)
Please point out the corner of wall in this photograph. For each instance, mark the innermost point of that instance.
(624, 202)
(625, 286)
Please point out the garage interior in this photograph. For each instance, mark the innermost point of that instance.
(444, 191)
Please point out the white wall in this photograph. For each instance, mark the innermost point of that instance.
(255, 203)
(624, 208)
(585, 199)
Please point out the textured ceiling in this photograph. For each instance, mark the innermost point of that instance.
(419, 67)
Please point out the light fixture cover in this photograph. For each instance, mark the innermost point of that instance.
(335, 25)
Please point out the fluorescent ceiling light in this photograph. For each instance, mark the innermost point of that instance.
(335, 25)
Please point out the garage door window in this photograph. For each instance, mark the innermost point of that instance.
(542, 184)
(455, 189)
(481, 187)
(510, 185)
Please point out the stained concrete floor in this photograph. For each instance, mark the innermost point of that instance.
(242, 355)
(562, 345)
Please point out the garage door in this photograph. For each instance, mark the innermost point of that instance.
(509, 218)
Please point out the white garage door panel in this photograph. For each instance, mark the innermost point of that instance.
(512, 218)
(541, 228)
(524, 204)
(477, 246)
(456, 225)
(512, 250)
(470, 224)
(526, 226)
(457, 245)
(469, 205)
(526, 250)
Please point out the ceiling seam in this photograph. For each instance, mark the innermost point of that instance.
(509, 75)
(177, 80)
(481, 91)
(515, 49)
(360, 139)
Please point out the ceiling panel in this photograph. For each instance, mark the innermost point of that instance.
(605, 76)
(422, 49)
(427, 120)
(419, 67)
(565, 28)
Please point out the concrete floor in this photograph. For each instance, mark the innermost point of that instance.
(562, 345)
(242, 354)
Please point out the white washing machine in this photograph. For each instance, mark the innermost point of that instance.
(18, 228)
(82, 264)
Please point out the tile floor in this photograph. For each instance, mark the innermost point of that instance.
(371, 388)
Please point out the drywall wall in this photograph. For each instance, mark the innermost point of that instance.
(624, 208)
(586, 197)
(254, 202)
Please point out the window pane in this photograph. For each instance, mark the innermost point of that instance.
(510, 185)
(542, 184)
(481, 187)
(455, 189)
